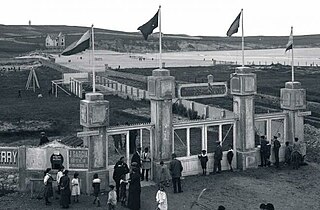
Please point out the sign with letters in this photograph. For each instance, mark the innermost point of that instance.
(9, 157)
(202, 90)
(78, 158)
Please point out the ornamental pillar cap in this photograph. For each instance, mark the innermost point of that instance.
(293, 85)
(160, 72)
(94, 96)
(243, 70)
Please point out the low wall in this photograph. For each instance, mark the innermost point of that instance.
(130, 76)
(9, 179)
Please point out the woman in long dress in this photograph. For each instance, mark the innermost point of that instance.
(134, 189)
(48, 190)
(65, 190)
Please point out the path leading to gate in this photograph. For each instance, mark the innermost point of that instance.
(287, 189)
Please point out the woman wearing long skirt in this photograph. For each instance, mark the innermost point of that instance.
(134, 189)
(48, 190)
(65, 190)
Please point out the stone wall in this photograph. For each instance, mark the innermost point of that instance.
(9, 180)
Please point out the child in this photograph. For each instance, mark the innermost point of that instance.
(112, 198)
(203, 160)
(164, 174)
(75, 187)
(161, 198)
(123, 190)
(230, 156)
(96, 188)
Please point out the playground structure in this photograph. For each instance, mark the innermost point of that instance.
(240, 128)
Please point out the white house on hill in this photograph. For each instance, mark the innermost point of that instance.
(55, 41)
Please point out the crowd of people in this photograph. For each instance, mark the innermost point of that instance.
(169, 173)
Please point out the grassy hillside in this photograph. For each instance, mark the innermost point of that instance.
(19, 39)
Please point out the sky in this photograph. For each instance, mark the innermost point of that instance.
(191, 17)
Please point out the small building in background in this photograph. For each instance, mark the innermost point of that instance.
(55, 41)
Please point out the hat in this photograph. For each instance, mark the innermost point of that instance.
(42, 133)
(111, 186)
(275, 137)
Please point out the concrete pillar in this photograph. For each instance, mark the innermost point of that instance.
(292, 101)
(161, 87)
(94, 115)
(243, 87)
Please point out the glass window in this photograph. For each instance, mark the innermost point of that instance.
(212, 137)
(260, 130)
(195, 141)
(277, 129)
(227, 136)
(180, 142)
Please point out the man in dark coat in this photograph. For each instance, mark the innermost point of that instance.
(120, 168)
(136, 157)
(176, 168)
(217, 158)
(43, 139)
(65, 190)
(134, 189)
(263, 151)
(276, 147)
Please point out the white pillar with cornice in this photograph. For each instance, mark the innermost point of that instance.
(243, 85)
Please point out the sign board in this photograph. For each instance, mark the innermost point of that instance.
(9, 157)
(87, 133)
(78, 158)
(202, 90)
(302, 114)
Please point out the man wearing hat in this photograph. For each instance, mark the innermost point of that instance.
(276, 147)
(43, 139)
(217, 158)
(175, 168)
(136, 157)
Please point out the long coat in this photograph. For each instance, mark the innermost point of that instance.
(65, 191)
(134, 191)
(136, 158)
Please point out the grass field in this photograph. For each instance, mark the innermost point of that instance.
(24, 118)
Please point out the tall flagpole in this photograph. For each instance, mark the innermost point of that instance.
(242, 39)
(292, 63)
(160, 37)
(92, 62)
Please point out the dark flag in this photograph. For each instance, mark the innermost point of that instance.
(147, 28)
(290, 42)
(82, 44)
(234, 26)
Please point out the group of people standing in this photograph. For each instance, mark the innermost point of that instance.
(65, 188)
(293, 154)
(140, 167)
(265, 151)
(217, 157)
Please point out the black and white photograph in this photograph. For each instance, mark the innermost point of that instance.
(160, 104)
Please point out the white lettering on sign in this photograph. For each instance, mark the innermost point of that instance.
(8, 157)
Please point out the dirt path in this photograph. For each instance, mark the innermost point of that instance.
(287, 189)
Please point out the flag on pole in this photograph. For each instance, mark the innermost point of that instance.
(290, 42)
(234, 26)
(147, 28)
(82, 44)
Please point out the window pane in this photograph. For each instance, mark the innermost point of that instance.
(260, 130)
(212, 136)
(227, 136)
(277, 129)
(180, 142)
(195, 141)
